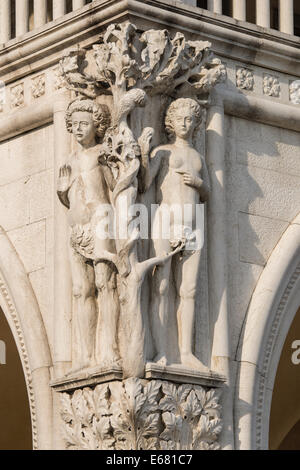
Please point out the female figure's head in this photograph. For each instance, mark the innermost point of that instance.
(88, 121)
(183, 118)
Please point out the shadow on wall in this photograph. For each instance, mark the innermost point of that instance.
(15, 433)
(261, 175)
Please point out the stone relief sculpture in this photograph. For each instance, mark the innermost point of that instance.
(295, 92)
(133, 68)
(177, 165)
(82, 187)
(125, 149)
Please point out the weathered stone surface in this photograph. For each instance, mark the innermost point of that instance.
(258, 236)
(29, 242)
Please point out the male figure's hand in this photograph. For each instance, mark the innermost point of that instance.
(64, 178)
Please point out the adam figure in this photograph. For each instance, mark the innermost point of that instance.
(181, 178)
(83, 189)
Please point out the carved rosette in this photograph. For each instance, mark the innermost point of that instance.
(38, 86)
(295, 92)
(244, 79)
(17, 95)
(271, 86)
(141, 415)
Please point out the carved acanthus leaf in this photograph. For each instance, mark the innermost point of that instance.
(131, 416)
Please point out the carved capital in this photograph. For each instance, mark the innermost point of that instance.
(142, 415)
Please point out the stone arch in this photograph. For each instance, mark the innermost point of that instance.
(272, 309)
(20, 307)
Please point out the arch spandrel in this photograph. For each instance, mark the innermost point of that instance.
(21, 309)
(272, 309)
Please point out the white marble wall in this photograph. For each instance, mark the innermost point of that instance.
(27, 195)
(263, 176)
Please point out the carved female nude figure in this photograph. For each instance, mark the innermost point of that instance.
(83, 189)
(181, 178)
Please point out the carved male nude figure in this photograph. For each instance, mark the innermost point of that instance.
(83, 189)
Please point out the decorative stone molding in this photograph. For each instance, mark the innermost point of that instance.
(295, 92)
(141, 415)
(38, 86)
(271, 86)
(17, 95)
(244, 79)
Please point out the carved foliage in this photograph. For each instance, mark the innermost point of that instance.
(87, 419)
(271, 86)
(17, 95)
(38, 86)
(244, 79)
(152, 61)
(295, 92)
(142, 415)
(191, 418)
(135, 416)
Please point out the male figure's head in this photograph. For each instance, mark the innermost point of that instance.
(183, 118)
(88, 121)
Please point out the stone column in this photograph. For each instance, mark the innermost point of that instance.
(286, 16)
(239, 9)
(215, 6)
(62, 276)
(5, 21)
(22, 17)
(78, 4)
(263, 13)
(218, 259)
(59, 8)
(40, 12)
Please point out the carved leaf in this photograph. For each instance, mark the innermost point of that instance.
(212, 400)
(173, 425)
(149, 444)
(66, 408)
(150, 428)
(101, 394)
(183, 392)
(81, 409)
(168, 402)
(135, 420)
(90, 442)
(192, 407)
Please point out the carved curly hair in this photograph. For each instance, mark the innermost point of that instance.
(176, 106)
(100, 112)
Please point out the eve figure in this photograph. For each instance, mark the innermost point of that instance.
(181, 179)
(83, 189)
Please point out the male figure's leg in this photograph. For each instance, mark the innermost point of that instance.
(84, 311)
